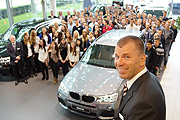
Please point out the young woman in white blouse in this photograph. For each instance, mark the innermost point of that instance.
(73, 54)
(43, 53)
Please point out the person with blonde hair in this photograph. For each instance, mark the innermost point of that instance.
(28, 53)
(35, 40)
(85, 39)
(75, 35)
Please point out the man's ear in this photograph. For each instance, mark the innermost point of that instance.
(142, 60)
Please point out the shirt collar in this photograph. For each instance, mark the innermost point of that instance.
(131, 81)
(14, 43)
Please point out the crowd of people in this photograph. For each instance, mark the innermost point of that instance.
(61, 47)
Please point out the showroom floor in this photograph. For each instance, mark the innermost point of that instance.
(38, 99)
(34, 101)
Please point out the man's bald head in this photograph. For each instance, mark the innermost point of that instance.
(134, 39)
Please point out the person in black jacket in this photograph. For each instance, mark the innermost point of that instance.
(28, 54)
(159, 51)
(77, 27)
(15, 51)
(151, 57)
(52, 15)
(63, 55)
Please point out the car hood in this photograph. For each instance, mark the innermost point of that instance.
(92, 80)
(3, 45)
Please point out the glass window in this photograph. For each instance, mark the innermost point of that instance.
(22, 10)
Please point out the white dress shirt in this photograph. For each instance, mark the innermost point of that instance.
(130, 82)
(29, 49)
(42, 54)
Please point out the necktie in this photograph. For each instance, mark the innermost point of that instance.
(125, 89)
(14, 46)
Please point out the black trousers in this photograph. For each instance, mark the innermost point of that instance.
(31, 65)
(18, 70)
(65, 67)
(44, 68)
(54, 67)
(37, 62)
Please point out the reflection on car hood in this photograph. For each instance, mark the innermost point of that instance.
(3, 45)
(92, 80)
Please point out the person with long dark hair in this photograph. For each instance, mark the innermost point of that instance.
(63, 55)
(97, 33)
(73, 54)
(28, 53)
(58, 41)
(52, 60)
(42, 49)
(45, 35)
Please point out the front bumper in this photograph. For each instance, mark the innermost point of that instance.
(92, 110)
(5, 67)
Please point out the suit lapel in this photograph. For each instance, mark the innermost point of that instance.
(132, 89)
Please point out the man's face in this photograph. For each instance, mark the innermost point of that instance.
(148, 45)
(156, 42)
(128, 61)
(68, 12)
(60, 13)
(51, 13)
(77, 22)
(131, 22)
(147, 26)
(167, 25)
(164, 14)
(70, 20)
(158, 23)
(12, 39)
(160, 32)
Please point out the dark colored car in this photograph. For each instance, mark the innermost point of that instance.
(18, 30)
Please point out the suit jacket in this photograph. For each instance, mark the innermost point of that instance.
(151, 59)
(144, 100)
(53, 17)
(14, 53)
(169, 38)
(25, 49)
(66, 18)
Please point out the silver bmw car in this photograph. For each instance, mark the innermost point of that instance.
(93, 87)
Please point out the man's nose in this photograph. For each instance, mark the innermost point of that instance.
(120, 61)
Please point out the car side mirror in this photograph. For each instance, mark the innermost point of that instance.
(1, 34)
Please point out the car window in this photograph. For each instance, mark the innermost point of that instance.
(100, 55)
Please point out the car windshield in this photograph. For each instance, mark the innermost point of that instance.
(100, 55)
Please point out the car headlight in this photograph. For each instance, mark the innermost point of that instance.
(63, 88)
(108, 98)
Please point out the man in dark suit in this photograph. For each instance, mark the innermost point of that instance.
(15, 51)
(67, 16)
(151, 56)
(52, 15)
(143, 97)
